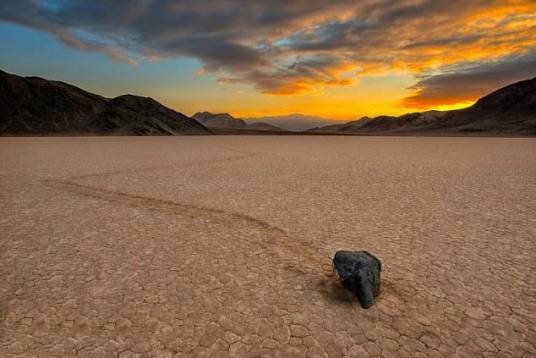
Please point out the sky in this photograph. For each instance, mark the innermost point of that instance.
(339, 59)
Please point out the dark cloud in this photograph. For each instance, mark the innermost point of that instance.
(373, 21)
(285, 46)
(468, 82)
(300, 76)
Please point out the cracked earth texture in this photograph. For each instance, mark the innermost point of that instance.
(221, 246)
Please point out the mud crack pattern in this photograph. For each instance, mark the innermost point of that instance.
(181, 247)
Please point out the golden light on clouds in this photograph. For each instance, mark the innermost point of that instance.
(317, 57)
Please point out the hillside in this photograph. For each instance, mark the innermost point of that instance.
(35, 106)
(219, 120)
(227, 123)
(509, 110)
(127, 115)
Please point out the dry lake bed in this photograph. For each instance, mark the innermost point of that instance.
(221, 246)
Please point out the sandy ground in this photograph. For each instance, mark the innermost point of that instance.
(218, 246)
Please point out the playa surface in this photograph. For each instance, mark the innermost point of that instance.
(218, 246)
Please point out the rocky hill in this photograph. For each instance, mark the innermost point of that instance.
(219, 120)
(35, 106)
(509, 110)
(224, 122)
(127, 115)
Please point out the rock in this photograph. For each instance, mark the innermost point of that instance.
(359, 272)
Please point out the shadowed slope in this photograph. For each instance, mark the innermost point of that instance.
(32, 105)
(130, 114)
(509, 110)
(219, 120)
(35, 106)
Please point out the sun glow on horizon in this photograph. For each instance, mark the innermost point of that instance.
(337, 60)
(450, 107)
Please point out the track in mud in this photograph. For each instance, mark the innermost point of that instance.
(301, 255)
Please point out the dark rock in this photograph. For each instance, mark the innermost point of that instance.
(359, 272)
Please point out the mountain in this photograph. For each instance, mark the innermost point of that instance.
(128, 114)
(341, 128)
(226, 122)
(509, 110)
(35, 106)
(381, 123)
(294, 122)
(219, 120)
(261, 126)
(32, 105)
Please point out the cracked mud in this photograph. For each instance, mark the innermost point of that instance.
(179, 247)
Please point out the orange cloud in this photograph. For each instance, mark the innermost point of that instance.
(302, 46)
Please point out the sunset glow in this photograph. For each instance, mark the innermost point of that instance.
(337, 59)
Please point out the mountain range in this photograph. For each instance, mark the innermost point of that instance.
(509, 110)
(224, 122)
(36, 106)
(221, 122)
(294, 122)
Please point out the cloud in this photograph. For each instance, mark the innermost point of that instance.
(302, 75)
(289, 47)
(468, 81)
(38, 15)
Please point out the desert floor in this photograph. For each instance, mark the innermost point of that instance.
(217, 246)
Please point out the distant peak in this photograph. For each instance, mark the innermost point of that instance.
(206, 115)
